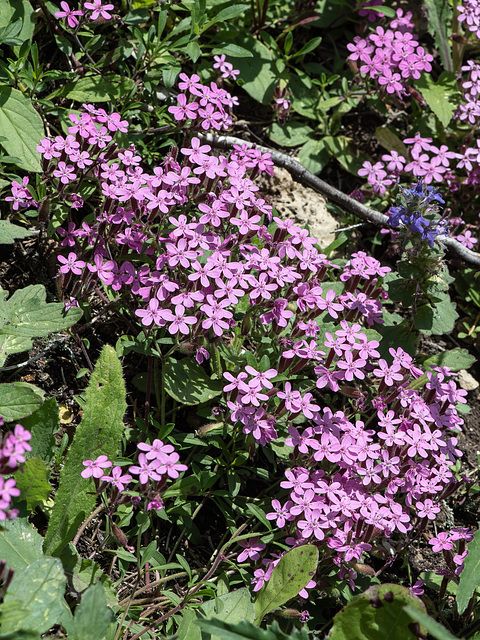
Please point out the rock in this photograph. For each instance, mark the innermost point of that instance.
(303, 205)
(467, 381)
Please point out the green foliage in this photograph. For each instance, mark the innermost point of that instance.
(470, 576)
(377, 614)
(439, 14)
(39, 588)
(26, 315)
(245, 630)
(99, 433)
(18, 400)
(289, 576)
(32, 480)
(10, 232)
(441, 96)
(456, 359)
(258, 75)
(20, 544)
(21, 14)
(43, 424)
(186, 382)
(92, 617)
(21, 127)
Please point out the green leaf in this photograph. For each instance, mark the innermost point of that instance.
(10, 232)
(314, 156)
(433, 627)
(290, 134)
(18, 401)
(232, 607)
(245, 630)
(440, 14)
(437, 318)
(22, 127)
(440, 96)
(97, 88)
(377, 615)
(230, 12)
(27, 315)
(18, 11)
(290, 576)
(93, 617)
(99, 433)
(456, 359)
(309, 46)
(390, 141)
(20, 544)
(232, 50)
(470, 576)
(186, 382)
(258, 76)
(40, 588)
(42, 425)
(32, 480)
(188, 629)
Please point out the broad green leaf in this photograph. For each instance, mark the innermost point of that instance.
(20, 11)
(257, 75)
(232, 607)
(470, 576)
(10, 232)
(314, 156)
(232, 50)
(186, 382)
(440, 96)
(437, 318)
(20, 544)
(245, 630)
(32, 480)
(390, 141)
(93, 617)
(97, 88)
(27, 315)
(290, 576)
(22, 127)
(339, 148)
(99, 433)
(377, 615)
(40, 587)
(433, 627)
(188, 629)
(18, 401)
(440, 15)
(290, 134)
(456, 359)
(42, 425)
(394, 335)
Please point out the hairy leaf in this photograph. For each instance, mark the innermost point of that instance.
(93, 617)
(10, 232)
(439, 24)
(99, 433)
(20, 544)
(18, 400)
(470, 576)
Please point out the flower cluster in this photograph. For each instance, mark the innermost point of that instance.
(355, 480)
(452, 544)
(469, 14)
(391, 56)
(94, 11)
(13, 446)
(157, 462)
(419, 211)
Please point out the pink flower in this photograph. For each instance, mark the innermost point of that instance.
(95, 467)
